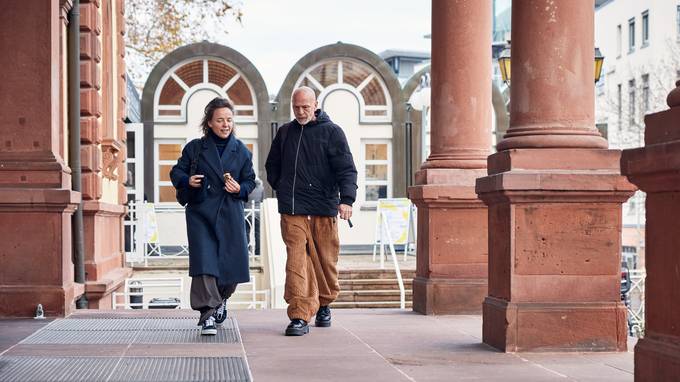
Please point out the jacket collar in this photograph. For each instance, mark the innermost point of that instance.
(210, 154)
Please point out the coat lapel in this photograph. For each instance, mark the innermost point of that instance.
(210, 155)
(228, 156)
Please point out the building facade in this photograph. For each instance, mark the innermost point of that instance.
(37, 196)
(641, 44)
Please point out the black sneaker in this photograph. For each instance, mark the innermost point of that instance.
(297, 327)
(220, 313)
(209, 328)
(323, 317)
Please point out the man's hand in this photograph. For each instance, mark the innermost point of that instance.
(344, 211)
(195, 181)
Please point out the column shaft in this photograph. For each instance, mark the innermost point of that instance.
(461, 67)
(452, 255)
(550, 72)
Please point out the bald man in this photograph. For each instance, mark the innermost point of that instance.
(312, 171)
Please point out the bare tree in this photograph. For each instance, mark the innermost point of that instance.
(642, 91)
(156, 27)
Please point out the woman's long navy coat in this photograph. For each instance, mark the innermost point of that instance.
(215, 219)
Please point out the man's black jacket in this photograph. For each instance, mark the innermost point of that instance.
(311, 167)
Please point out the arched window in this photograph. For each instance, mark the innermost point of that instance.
(180, 82)
(343, 73)
(341, 84)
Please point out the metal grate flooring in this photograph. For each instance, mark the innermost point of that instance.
(94, 369)
(127, 331)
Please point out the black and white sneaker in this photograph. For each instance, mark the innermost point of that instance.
(209, 328)
(220, 313)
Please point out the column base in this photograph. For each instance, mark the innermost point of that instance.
(22, 300)
(448, 296)
(657, 358)
(451, 269)
(515, 327)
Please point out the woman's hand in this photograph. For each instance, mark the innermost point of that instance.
(232, 186)
(195, 181)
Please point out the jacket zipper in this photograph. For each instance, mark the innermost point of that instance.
(297, 153)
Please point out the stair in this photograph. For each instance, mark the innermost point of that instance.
(372, 288)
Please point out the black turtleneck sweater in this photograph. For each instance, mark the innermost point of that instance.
(220, 143)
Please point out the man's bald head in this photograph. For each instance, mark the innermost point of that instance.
(305, 91)
(304, 104)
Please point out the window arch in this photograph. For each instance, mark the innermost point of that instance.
(186, 77)
(363, 81)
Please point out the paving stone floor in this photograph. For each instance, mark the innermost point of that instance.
(362, 345)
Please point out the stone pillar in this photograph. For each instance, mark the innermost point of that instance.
(452, 223)
(103, 148)
(36, 201)
(554, 194)
(655, 168)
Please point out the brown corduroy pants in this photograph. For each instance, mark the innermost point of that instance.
(313, 246)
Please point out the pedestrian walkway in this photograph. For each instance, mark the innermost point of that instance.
(131, 345)
(362, 345)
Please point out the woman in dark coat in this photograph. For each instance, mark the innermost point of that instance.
(221, 182)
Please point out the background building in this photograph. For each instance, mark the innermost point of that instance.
(640, 41)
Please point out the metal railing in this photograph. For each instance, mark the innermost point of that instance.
(253, 293)
(635, 302)
(139, 248)
(150, 293)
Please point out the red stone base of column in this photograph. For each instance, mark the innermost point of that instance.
(36, 265)
(447, 296)
(451, 266)
(657, 358)
(104, 257)
(515, 327)
(554, 254)
(22, 300)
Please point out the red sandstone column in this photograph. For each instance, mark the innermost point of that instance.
(554, 194)
(36, 201)
(551, 71)
(655, 168)
(452, 246)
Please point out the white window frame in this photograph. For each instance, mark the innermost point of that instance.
(677, 21)
(631, 35)
(221, 90)
(157, 183)
(619, 40)
(644, 29)
(362, 174)
(325, 91)
(252, 141)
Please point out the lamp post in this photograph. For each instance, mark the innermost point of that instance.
(504, 64)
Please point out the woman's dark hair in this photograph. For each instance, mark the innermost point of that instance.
(216, 103)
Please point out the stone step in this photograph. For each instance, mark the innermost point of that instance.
(352, 274)
(373, 284)
(370, 305)
(372, 295)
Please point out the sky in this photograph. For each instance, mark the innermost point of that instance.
(275, 34)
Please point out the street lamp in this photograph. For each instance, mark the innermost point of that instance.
(504, 64)
(599, 60)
